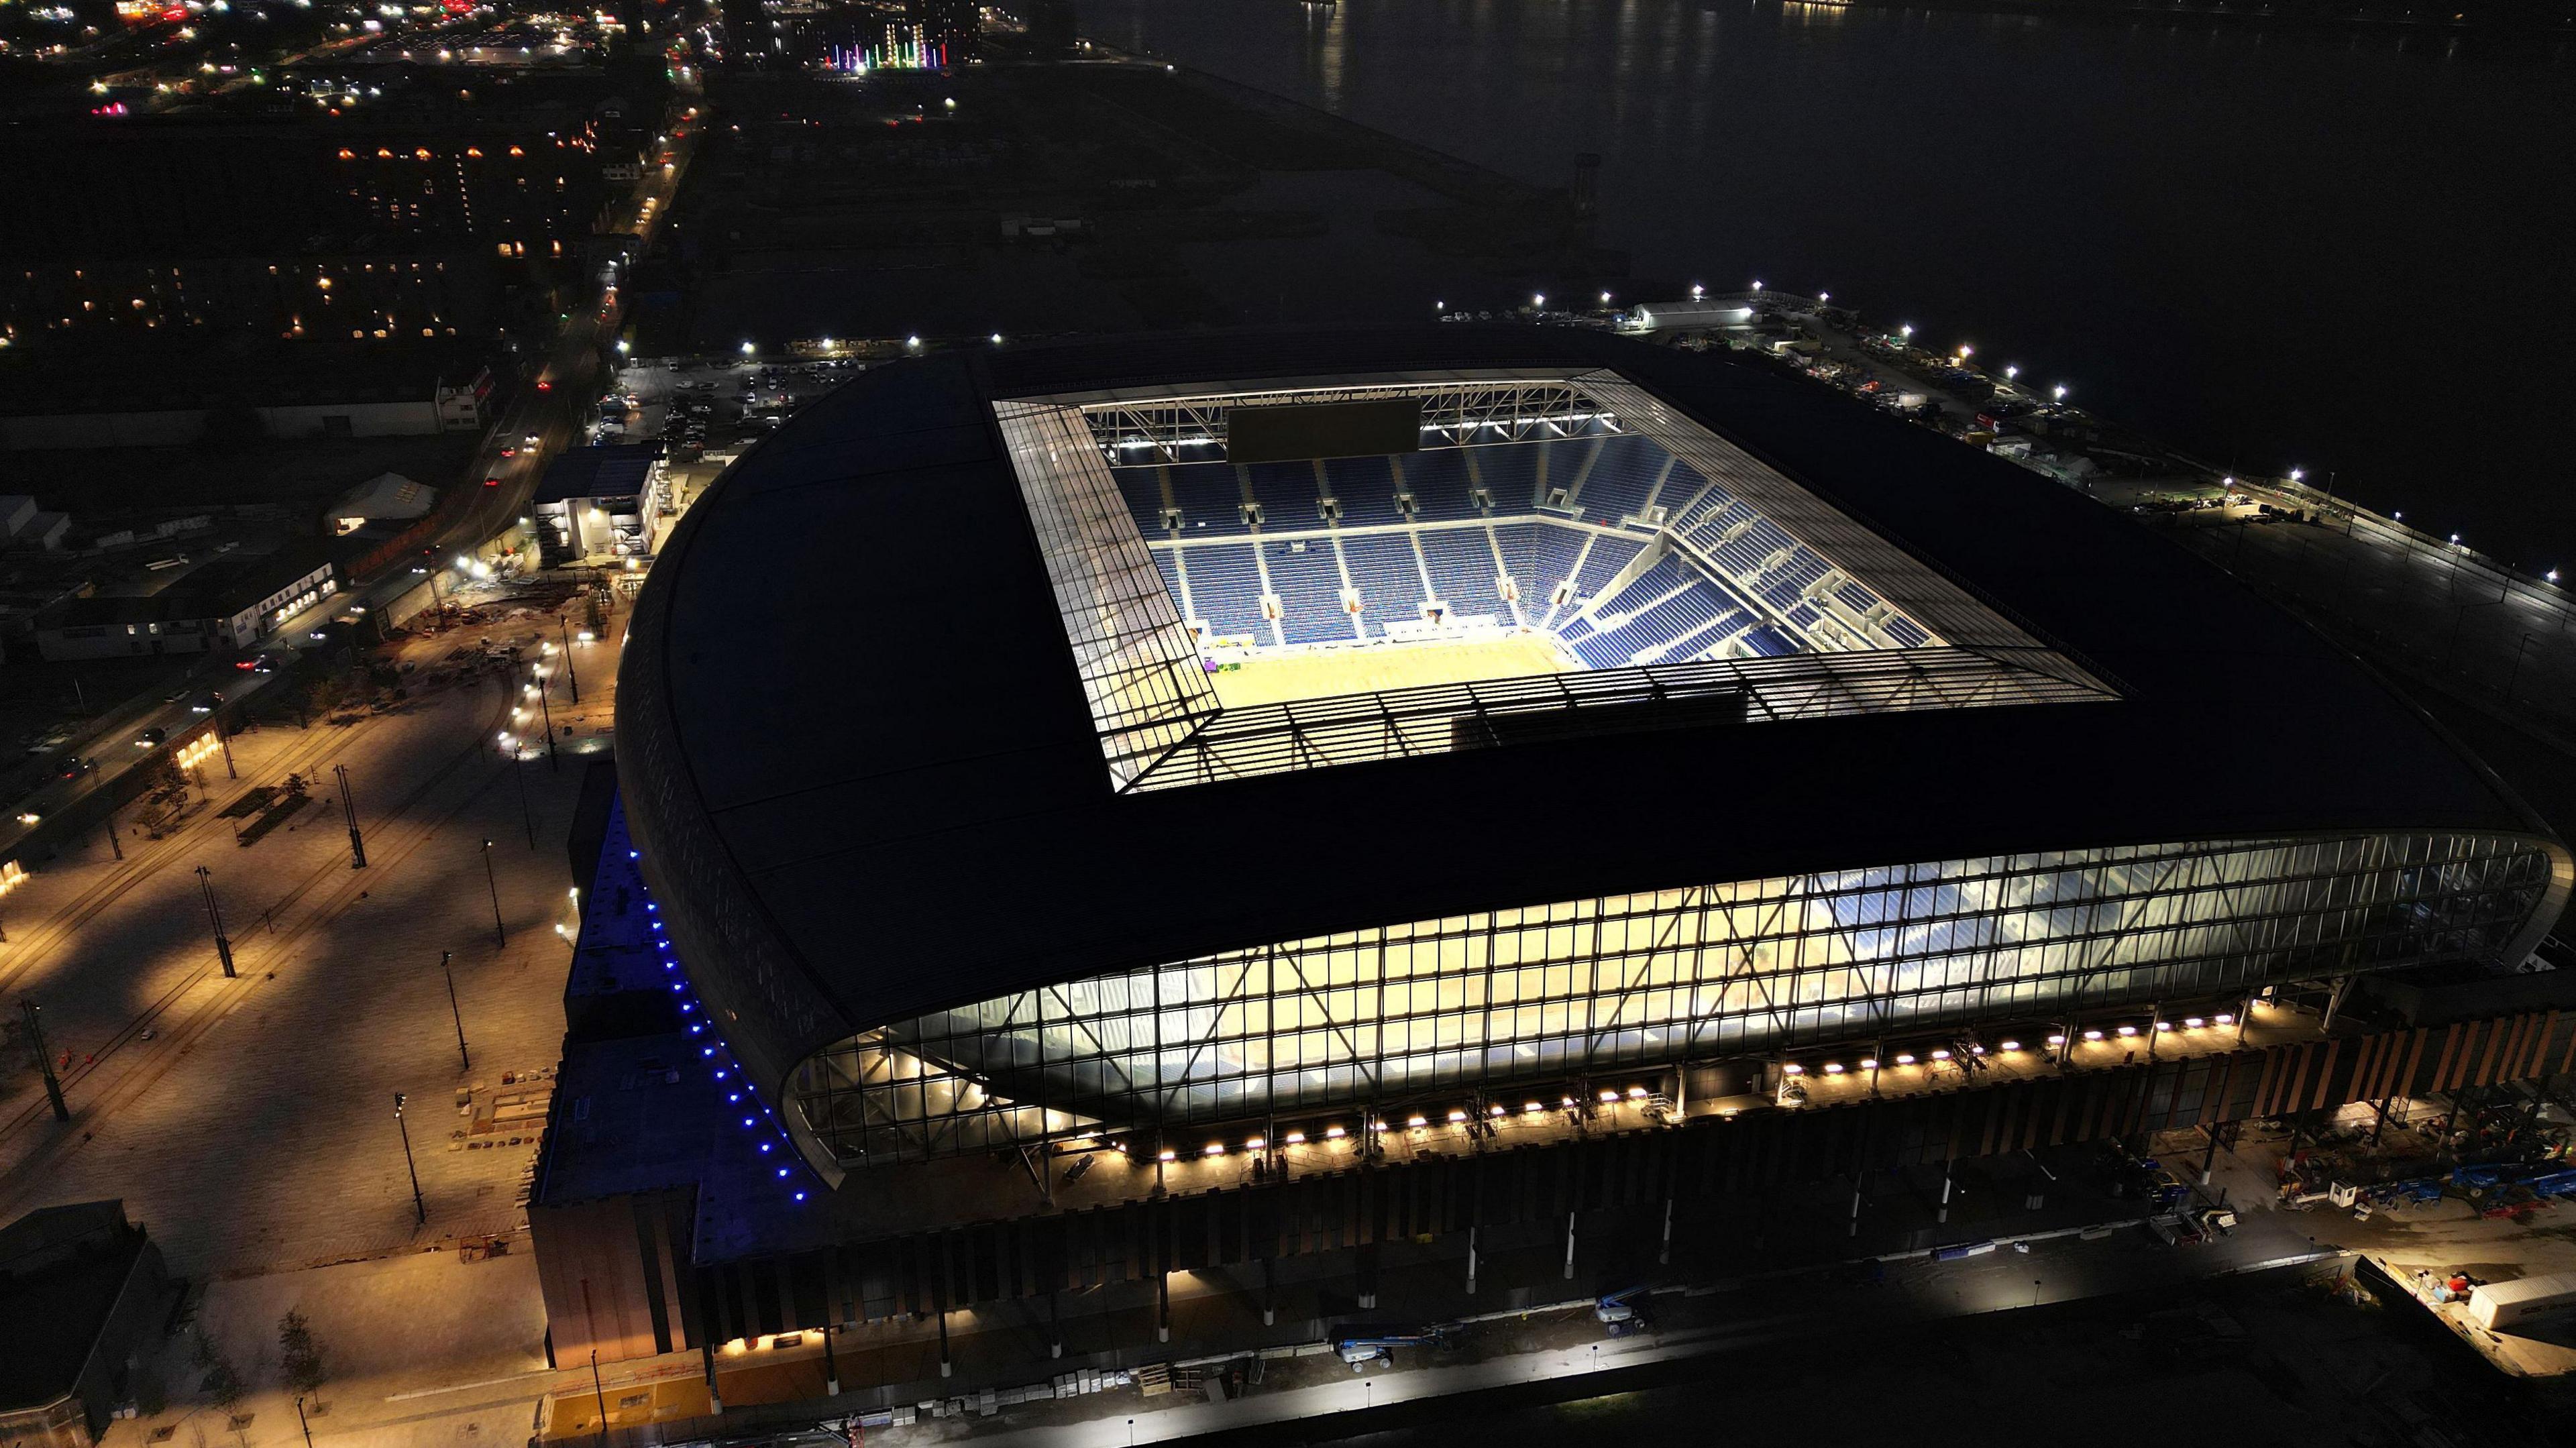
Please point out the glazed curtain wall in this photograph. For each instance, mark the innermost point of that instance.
(1636, 982)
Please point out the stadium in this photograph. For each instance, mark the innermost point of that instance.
(1287, 746)
(1490, 594)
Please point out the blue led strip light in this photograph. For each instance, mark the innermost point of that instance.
(768, 1135)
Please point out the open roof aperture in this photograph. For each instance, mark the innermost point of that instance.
(1266, 577)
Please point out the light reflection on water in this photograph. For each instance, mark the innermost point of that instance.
(2335, 248)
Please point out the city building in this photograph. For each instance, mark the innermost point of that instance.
(159, 397)
(82, 1296)
(600, 503)
(1421, 785)
(438, 166)
(432, 211)
(320, 297)
(226, 604)
(384, 498)
(952, 29)
(26, 528)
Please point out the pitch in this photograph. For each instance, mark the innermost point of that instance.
(1273, 678)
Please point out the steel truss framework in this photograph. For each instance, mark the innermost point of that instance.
(1157, 715)
(1636, 983)
(1456, 411)
(1139, 666)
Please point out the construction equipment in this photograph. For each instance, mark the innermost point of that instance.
(1623, 1313)
(1360, 1346)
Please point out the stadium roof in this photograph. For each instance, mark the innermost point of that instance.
(860, 762)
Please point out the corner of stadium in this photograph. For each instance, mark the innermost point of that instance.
(1084, 801)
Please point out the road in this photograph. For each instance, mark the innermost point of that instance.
(551, 409)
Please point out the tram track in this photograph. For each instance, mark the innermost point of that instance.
(95, 900)
(398, 836)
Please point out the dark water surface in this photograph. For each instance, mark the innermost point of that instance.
(2349, 251)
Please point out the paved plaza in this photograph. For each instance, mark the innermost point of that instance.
(249, 1122)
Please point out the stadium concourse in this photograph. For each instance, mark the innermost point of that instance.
(1328, 795)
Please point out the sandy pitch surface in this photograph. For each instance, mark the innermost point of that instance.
(1280, 678)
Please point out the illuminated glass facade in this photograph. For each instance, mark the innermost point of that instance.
(1635, 983)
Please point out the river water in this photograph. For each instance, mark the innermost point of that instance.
(2343, 251)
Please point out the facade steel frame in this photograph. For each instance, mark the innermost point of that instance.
(1369, 1020)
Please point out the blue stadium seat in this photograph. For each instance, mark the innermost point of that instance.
(1767, 642)
(1609, 554)
(1383, 570)
(1365, 487)
(1309, 585)
(1440, 488)
(1462, 570)
(1209, 498)
(1671, 613)
(1541, 555)
(1144, 494)
(1226, 588)
(1622, 473)
(1510, 474)
(1290, 502)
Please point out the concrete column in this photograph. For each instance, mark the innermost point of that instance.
(1855, 1206)
(945, 1366)
(1471, 1261)
(1945, 1193)
(1569, 1246)
(1055, 1328)
(1368, 1276)
(1269, 1293)
(1665, 1257)
(1163, 1306)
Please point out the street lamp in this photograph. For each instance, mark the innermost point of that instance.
(1757, 284)
(1697, 291)
(349, 811)
(444, 969)
(419, 1208)
(1824, 296)
(748, 349)
(2058, 392)
(1538, 299)
(545, 707)
(2011, 371)
(492, 883)
(1905, 330)
(214, 913)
